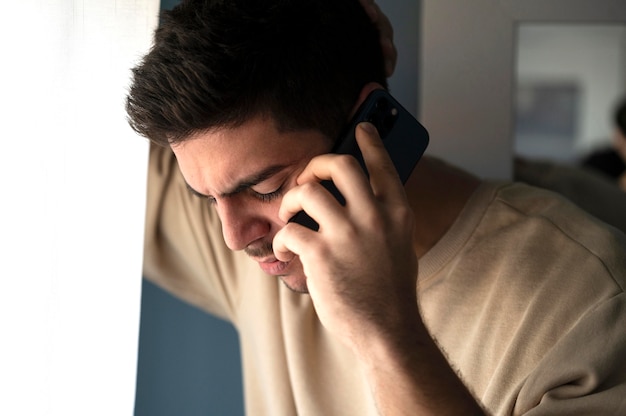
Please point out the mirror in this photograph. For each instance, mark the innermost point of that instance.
(568, 80)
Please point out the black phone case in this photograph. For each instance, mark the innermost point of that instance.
(404, 137)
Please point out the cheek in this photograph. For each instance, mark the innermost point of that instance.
(266, 212)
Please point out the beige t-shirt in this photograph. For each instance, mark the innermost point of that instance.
(524, 294)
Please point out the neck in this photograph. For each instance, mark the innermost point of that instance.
(437, 193)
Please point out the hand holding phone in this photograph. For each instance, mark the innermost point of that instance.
(405, 140)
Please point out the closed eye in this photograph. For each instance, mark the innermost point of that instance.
(199, 195)
(268, 197)
(247, 186)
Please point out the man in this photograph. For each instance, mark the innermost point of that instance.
(448, 296)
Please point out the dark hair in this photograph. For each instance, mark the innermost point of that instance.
(218, 63)
(620, 116)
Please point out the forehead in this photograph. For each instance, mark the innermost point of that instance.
(216, 159)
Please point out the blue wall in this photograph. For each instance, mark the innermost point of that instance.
(188, 361)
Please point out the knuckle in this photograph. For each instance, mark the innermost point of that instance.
(346, 162)
(375, 220)
(311, 189)
(348, 231)
(318, 252)
(403, 215)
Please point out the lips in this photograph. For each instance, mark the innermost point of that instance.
(273, 266)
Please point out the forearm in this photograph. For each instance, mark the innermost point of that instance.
(411, 376)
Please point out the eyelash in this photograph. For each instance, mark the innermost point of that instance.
(269, 197)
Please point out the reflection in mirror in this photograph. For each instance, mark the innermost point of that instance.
(569, 80)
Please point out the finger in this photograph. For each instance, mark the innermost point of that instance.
(384, 179)
(316, 201)
(370, 9)
(291, 241)
(346, 174)
(383, 23)
(390, 53)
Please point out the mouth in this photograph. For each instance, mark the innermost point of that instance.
(272, 266)
(288, 271)
(263, 254)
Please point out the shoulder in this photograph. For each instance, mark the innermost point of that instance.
(530, 277)
(591, 190)
(557, 226)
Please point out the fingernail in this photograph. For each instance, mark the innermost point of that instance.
(387, 44)
(372, 12)
(368, 127)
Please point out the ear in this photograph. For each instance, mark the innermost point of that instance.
(365, 91)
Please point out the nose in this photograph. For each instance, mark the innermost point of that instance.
(242, 223)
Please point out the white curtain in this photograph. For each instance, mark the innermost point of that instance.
(72, 198)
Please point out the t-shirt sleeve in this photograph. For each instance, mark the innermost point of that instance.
(585, 372)
(184, 252)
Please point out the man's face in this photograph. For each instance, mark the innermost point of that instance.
(244, 172)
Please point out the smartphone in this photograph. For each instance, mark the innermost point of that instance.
(403, 136)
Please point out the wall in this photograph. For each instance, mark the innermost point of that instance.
(467, 67)
(188, 360)
(587, 57)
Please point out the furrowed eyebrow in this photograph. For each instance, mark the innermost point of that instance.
(246, 183)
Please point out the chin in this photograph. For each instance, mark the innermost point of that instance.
(293, 277)
(295, 283)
